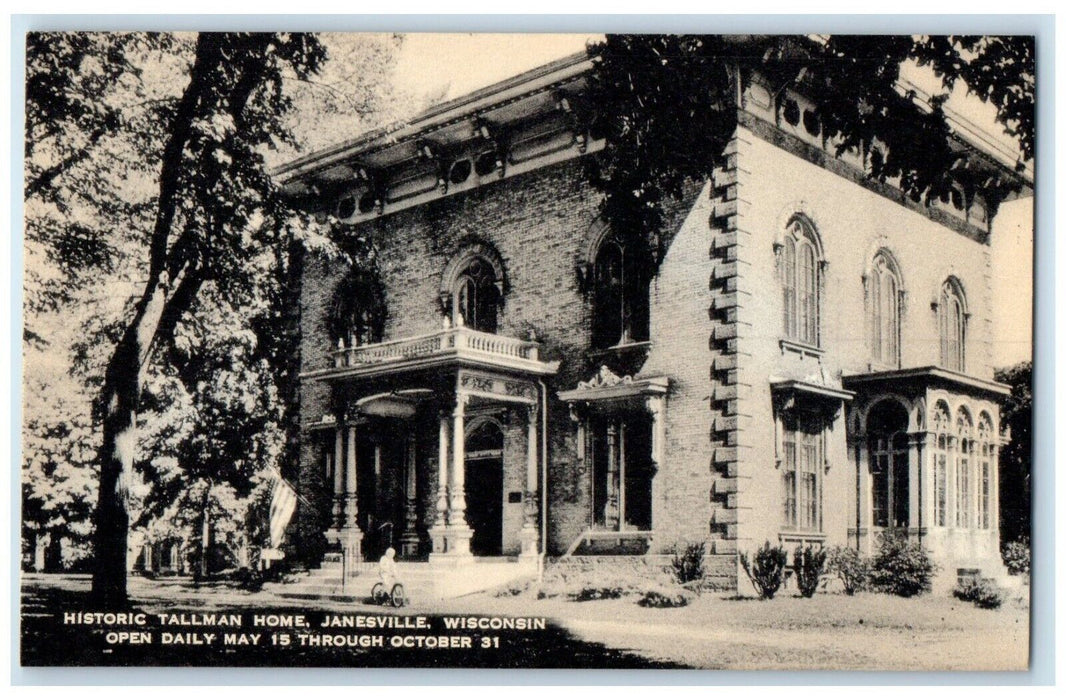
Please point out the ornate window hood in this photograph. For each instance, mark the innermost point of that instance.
(608, 386)
(789, 394)
(927, 376)
(810, 390)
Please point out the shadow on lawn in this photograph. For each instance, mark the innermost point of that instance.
(48, 641)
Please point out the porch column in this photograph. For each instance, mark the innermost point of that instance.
(993, 506)
(148, 561)
(436, 532)
(917, 513)
(952, 482)
(409, 541)
(863, 497)
(458, 530)
(351, 501)
(338, 478)
(621, 475)
(352, 539)
(929, 482)
(528, 535)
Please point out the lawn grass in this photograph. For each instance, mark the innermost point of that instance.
(830, 631)
(868, 631)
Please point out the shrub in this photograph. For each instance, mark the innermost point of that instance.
(251, 579)
(514, 588)
(599, 592)
(590, 585)
(902, 567)
(767, 571)
(1016, 556)
(851, 568)
(687, 564)
(809, 563)
(981, 592)
(662, 597)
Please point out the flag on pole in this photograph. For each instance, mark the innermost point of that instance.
(282, 506)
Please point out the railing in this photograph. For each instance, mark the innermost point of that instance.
(590, 534)
(460, 338)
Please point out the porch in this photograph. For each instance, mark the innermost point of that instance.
(924, 443)
(434, 448)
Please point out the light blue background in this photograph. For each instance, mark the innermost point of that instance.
(1042, 616)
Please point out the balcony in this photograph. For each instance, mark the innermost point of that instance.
(459, 346)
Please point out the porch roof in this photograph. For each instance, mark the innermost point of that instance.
(929, 375)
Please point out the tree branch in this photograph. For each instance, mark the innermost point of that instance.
(45, 179)
(208, 57)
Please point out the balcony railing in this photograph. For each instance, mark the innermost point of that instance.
(460, 339)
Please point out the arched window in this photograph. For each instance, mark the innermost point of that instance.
(951, 318)
(942, 444)
(987, 457)
(801, 283)
(358, 309)
(889, 465)
(963, 466)
(476, 296)
(619, 295)
(884, 289)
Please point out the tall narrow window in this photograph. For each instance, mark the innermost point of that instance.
(889, 465)
(951, 317)
(790, 287)
(620, 447)
(801, 471)
(963, 465)
(620, 296)
(883, 288)
(984, 486)
(801, 284)
(941, 424)
(476, 297)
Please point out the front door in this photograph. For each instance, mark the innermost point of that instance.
(484, 505)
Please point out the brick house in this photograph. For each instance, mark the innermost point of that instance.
(808, 362)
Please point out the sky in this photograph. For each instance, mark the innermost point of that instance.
(451, 65)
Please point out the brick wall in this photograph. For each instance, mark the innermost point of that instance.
(680, 331)
(542, 225)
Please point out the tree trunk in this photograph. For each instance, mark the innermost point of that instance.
(205, 535)
(121, 394)
(40, 548)
(174, 278)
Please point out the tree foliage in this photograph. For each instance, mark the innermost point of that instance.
(194, 368)
(89, 159)
(1015, 458)
(667, 106)
(59, 478)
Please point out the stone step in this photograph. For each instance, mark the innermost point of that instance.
(422, 581)
(355, 587)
